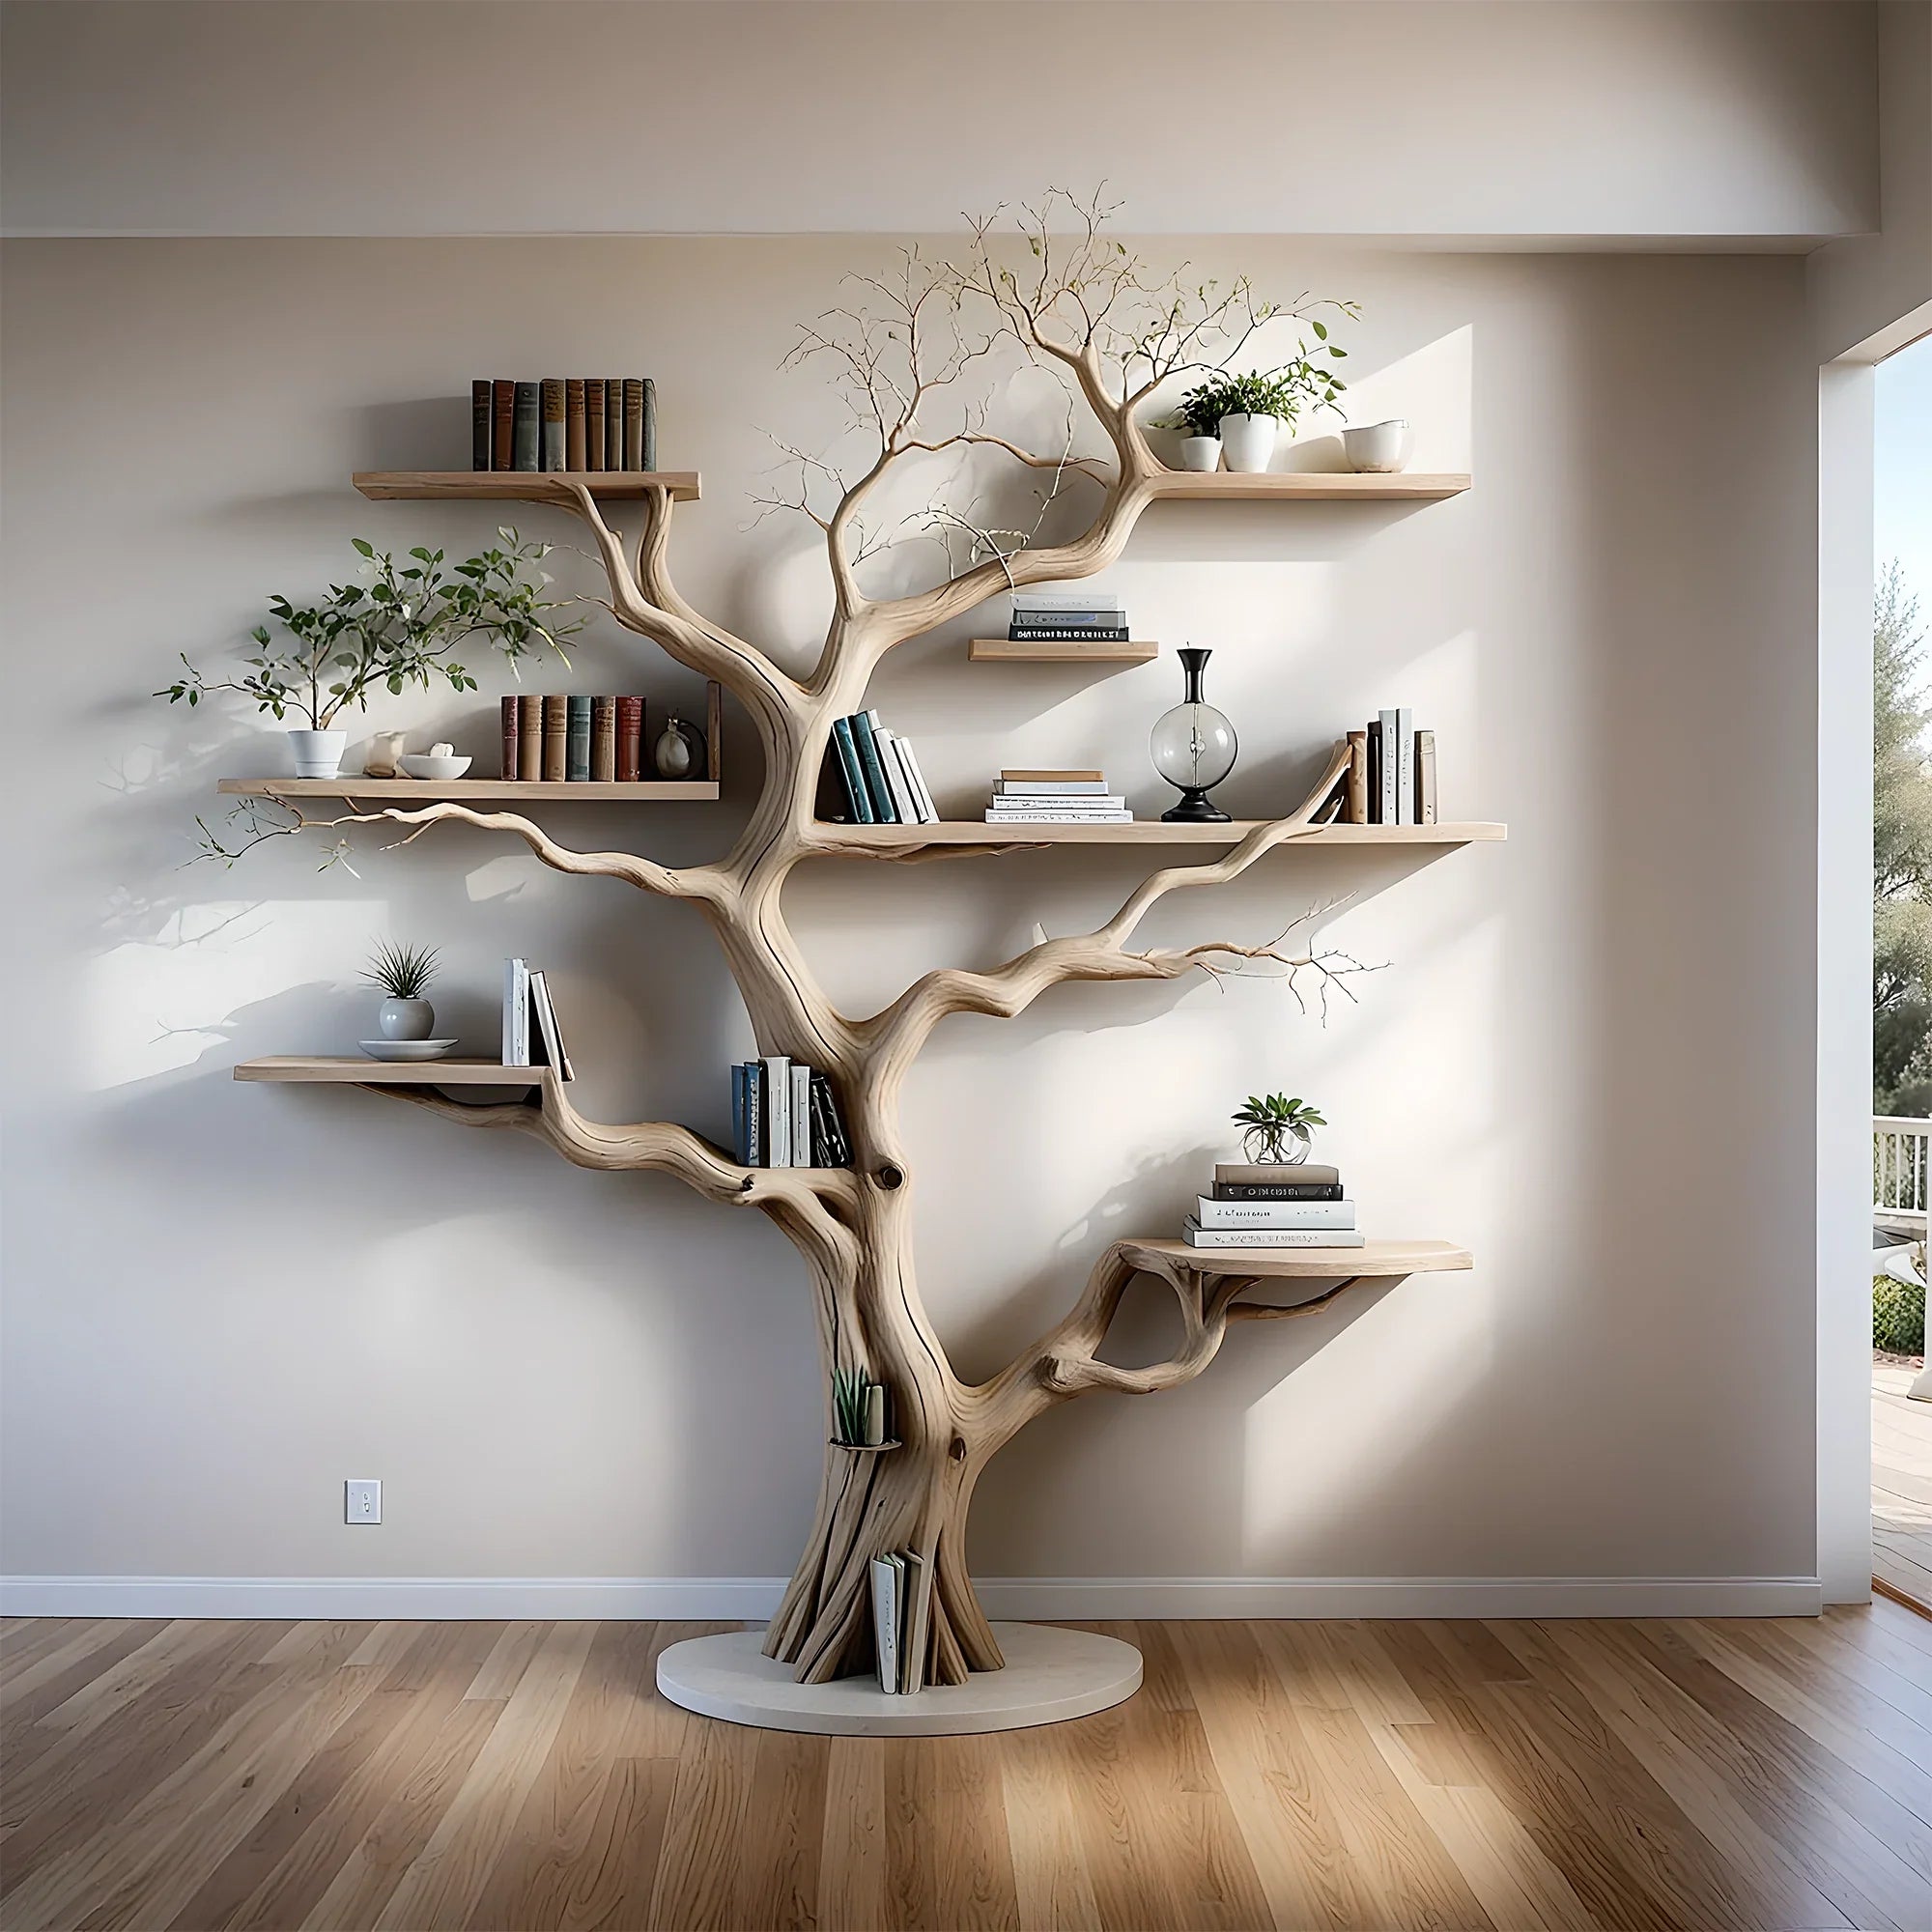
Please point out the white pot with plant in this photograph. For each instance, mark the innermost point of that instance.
(402, 975)
(398, 625)
(1248, 413)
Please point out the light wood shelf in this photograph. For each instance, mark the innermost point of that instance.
(1372, 1258)
(424, 791)
(1062, 650)
(521, 486)
(1224, 486)
(359, 1070)
(865, 1448)
(1150, 832)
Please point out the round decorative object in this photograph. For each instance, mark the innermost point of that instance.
(318, 753)
(1050, 1675)
(406, 1050)
(1249, 442)
(1285, 1144)
(1193, 746)
(404, 1019)
(1376, 449)
(1201, 452)
(678, 752)
(440, 766)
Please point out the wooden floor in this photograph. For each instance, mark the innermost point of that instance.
(1708, 1776)
(1901, 1484)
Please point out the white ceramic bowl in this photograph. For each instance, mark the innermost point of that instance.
(1377, 449)
(420, 765)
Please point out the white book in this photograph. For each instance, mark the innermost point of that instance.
(1210, 1214)
(903, 802)
(777, 1110)
(547, 1029)
(1049, 787)
(1405, 767)
(801, 1115)
(1391, 801)
(1197, 1236)
(917, 1623)
(1069, 600)
(886, 1622)
(1048, 817)
(928, 812)
(1015, 802)
(516, 1012)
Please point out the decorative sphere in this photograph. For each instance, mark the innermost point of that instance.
(1193, 746)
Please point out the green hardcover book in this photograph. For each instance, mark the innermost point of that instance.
(576, 741)
(552, 422)
(883, 812)
(858, 798)
(525, 426)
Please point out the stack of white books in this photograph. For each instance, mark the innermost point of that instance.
(1055, 798)
(532, 1034)
(1271, 1204)
(902, 1620)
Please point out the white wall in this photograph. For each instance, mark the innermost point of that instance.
(1739, 123)
(1581, 1058)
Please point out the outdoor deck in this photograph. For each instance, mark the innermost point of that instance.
(1901, 1484)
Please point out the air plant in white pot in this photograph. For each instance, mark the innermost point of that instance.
(402, 975)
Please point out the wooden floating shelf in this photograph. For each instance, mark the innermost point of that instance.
(1308, 486)
(1067, 650)
(359, 1070)
(521, 486)
(865, 1448)
(424, 791)
(1372, 1258)
(1149, 832)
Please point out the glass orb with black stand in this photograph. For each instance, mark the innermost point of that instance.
(1193, 748)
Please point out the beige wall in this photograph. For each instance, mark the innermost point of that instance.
(1589, 1055)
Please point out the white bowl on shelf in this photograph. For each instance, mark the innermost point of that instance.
(423, 765)
(406, 1050)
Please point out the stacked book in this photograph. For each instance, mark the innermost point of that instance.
(1271, 1205)
(564, 422)
(532, 1035)
(1391, 775)
(879, 777)
(575, 740)
(785, 1114)
(1068, 617)
(1055, 798)
(901, 1619)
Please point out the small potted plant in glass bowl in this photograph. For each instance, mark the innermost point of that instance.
(1277, 1129)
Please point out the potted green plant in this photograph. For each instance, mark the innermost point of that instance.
(1277, 1127)
(395, 626)
(1200, 447)
(402, 975)
(1247, 411)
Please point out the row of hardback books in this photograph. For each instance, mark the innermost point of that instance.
(532, 1034)
(1068, 617)
(1271, 1204)
(1055, 798)
(1390, 778)
(879, 777)
(564, 422)
(785, 1114)
(901, 1619)
(575, 739)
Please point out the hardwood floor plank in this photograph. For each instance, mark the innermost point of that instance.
(852, 1848)
(777, 1877)
(692, 1891)
(1051, 1883)
(37, 1685)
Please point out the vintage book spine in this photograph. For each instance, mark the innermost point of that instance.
(603, 740)
(851, 774)
(1066, 634)
(529, 737)
(1274, 1238)
(613, 422)
(573, 422)
(1053, 777)
(502, 423)
(1357, 779)
(630, 739)
(869, 763)
(577, 742)
(650, 450)
(757, 1136)
(482, 408)
(525, 428)
(1425, 808)
(633, 422)
(1209, 1212)
(741, 1150)
(1244, 1190)
(593, 422)
(1277, 1173)
(1404, 766)
(511, 710)
(552, 422)
(556, 738)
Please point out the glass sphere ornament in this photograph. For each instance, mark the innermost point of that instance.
(1193, 748)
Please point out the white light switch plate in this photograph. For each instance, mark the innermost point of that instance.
(362, 1500)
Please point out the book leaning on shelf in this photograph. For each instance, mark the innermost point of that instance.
(902, 1620)
(880, 781)
(1390, 778)
(531, 1034)
(785, 1114)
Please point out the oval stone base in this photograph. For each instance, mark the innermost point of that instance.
(1050, 1675)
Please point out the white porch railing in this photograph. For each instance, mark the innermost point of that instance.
(1900, 1181)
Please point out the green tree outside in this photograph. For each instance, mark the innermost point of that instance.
(1901, 855)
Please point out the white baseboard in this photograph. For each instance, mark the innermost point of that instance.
(750, 1599)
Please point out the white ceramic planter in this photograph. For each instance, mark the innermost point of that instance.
(1249, 442)
(404, 1019)
(1201, 452)
(1376, 449)
(318, 753)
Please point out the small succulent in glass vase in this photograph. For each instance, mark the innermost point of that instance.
(1277, 1129)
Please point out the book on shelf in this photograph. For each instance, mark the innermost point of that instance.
(511, 710)
(905, 807)
(785, 1114)
(1198, 1237)
(502, 421)
(593, 422)
(829, 1145)
(648, 456)
(887, 1605)
(613, 422)
(556, 738)
(1048, 816)
(573, 422)
(1108, 602)
(800, 1113)
(551, 450)
(1391, 773)
(862, 736)
(549, 1035)
(1277, 1190)
(1425, 778)
(902, 1620)
(603, 740)
(529, 739)
(1050, 789)
(1276, 1174)
(777, 1110)
(851, 776)
(516, 1012)
(1068, 775)
(525, 427)
(1067, 634)
(633, 423)
(482, 409)
(630, 740)
(1046, 801)
(1355, 780)
(1210, 1212)
(577, 739)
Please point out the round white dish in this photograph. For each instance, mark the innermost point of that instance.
(422, 765)
(405, 1049)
